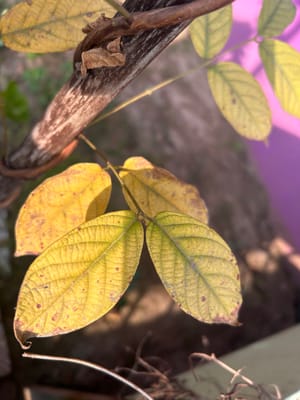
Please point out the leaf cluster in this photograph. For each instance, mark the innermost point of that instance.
(237, 94)
(89, 258)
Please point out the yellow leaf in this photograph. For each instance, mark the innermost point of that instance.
(282, 65)
(48, 26)
(210, 32)
(59, 204)
(80, 277)
(275, 16)
(156, 189)
(196, 266)
(240, 99)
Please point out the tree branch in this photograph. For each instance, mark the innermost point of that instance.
(81, 99)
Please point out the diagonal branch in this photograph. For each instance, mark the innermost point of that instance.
(81, 99)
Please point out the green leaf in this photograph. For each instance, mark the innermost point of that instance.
(80, 277)
(210, 32)
(196, 266)
(275, 16)
(282, 65)
(156, 189)
(49, 26)
(15, 104)
(59, 204)
(240, 99)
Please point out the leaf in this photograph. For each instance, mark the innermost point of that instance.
(48, 26)
(240, 100)
(275, 16)
(210, 32)
(282, 65)
(196, 266)
(156, 189)
(80, 277)
(59, 204)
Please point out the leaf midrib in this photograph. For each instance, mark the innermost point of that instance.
(188, 259)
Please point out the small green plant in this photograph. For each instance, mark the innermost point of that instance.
(40, 83)
(15, 105)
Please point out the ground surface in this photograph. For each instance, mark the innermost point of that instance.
(178, 128)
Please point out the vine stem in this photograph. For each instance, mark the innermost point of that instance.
(89, 365)
(167, 82)
(115, 172)
(234, 372)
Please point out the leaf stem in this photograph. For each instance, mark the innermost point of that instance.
(153, 89)
(89, 365)
(114, 171)
(263, 393)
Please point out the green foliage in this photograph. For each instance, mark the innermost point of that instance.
(15, 104)
(240, 99)
(210, 32)
(192, 258)
(237, 94)
(275, 16)
(282, 66)
(40, 83)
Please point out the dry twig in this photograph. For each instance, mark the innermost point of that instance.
(262, 393)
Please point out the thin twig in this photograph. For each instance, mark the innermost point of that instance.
(109, 29)
(213, 358)
(237, 373)
(115, 172)
(167, 82)
(89, 365)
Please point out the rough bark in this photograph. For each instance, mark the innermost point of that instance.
(81, 99)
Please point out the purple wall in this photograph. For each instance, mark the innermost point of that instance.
(278, 162)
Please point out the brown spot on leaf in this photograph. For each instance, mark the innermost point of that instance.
(219, 319)
(203, 298)
(38, 305)
(58, 331)
(55, 317)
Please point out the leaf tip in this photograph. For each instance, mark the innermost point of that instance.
(22, 336)
(229, 319)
